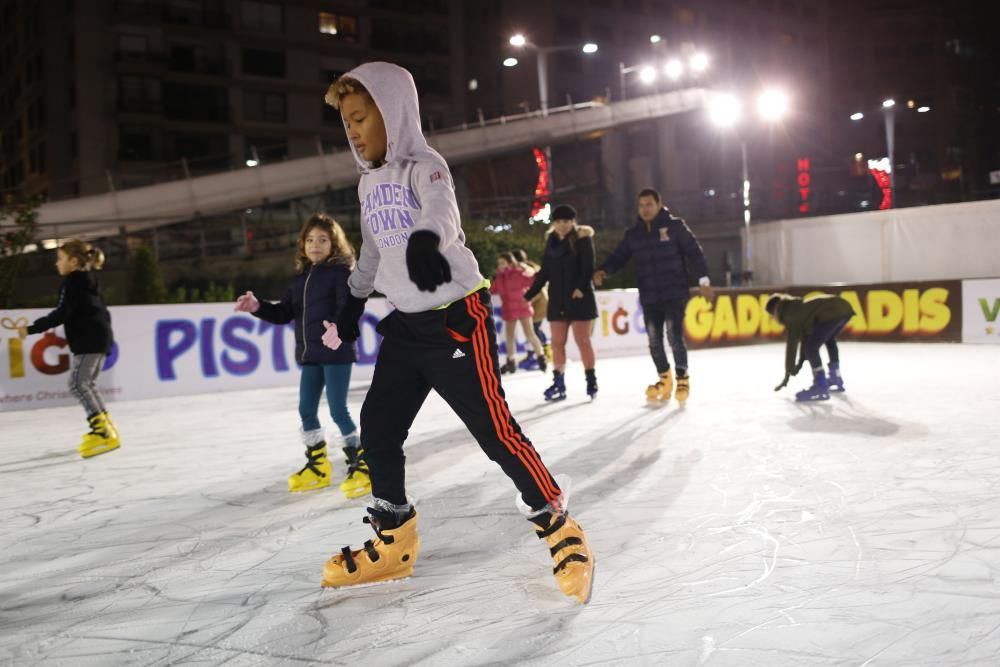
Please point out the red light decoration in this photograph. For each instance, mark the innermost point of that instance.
(880, 170)
(542, 186)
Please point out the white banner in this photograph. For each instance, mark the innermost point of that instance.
(181, 349)
(981, 311)
(164, 350)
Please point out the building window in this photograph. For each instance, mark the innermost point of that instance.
(332, 68)
(192, 102)
(197, 58)
(203, 149)
(132, 47)
(36, 114)
(264, 107)
(339, 25)
(36, 159)
(263, 16)
(139, 94)
(331, 117)
(266, 149)
(262, 62)
(406, 37)
(137, 144)
(431, 80)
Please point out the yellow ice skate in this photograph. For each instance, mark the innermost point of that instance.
(662, 389)
(315, 474)
(683, 388)
(358, 483)
(574, 568)
(103, 436)
(390, 556)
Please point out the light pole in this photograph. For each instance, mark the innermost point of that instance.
(725, 111)
(647, 74)
(888, 107)
(542, 53)
(889, 117)
(673, 68)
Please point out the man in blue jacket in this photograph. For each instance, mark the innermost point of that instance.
(666, 253)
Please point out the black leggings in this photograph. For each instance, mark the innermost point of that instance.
(824, 333)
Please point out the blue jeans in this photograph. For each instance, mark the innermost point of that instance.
(336, 378)
(667, 315)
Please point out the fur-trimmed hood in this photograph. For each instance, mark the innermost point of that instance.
(582, 231)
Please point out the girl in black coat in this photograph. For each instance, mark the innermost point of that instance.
(567, 268)
(324, 261)
(87, 322)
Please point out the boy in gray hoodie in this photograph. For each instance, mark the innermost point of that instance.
(440, 335)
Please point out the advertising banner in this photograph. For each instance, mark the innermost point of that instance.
(981, 311)
(179, 349)
(164, 350)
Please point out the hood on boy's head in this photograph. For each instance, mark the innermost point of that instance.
(395, 95)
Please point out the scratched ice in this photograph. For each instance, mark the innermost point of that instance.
(743, 530)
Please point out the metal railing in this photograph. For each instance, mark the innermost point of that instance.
(101, 182)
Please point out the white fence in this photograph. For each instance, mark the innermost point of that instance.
(951, 241)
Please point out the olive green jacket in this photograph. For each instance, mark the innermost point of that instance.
(800, 318)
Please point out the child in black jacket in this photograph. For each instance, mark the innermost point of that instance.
(82, 312)
(319, 291)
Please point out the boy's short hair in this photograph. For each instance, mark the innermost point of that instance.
(343, 86)
(650, 192)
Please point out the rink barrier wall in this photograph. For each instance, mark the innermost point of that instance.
(943, 242)
(186, 349)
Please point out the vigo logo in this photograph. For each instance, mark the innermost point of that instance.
(39, 357)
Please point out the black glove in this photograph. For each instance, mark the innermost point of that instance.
(349, 321)
(783, 384)
(427, 266)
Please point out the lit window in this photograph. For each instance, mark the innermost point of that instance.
(339, 25)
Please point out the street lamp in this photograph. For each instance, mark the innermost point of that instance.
(724, 110)
(542, 52)
(673, 69)
(699, 63)
(772, 104)
(647, 74)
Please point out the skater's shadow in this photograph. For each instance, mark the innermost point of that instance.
(826, 418)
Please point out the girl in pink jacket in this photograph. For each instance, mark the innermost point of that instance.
(511, 282)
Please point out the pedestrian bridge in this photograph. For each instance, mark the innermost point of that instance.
(166, 203)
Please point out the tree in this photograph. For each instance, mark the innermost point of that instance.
(19, 223)
(145, 280)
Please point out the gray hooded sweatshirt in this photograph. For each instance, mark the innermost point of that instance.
(412, 190)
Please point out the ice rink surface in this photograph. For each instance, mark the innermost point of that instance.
(744, 529)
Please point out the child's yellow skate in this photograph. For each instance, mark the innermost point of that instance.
(574, 568)
(358, 482)
(103, 436)
(662, 389)
(683, 388)
(391, 556)
(315, 474)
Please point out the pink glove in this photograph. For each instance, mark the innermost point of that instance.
(330, 337)
(247, 303)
